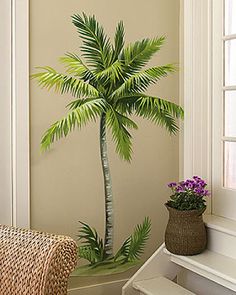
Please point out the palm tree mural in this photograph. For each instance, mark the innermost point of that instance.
(109, 85)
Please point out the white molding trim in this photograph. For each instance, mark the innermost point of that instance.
(196, 88)
(113, 287)
(20, 114)
(5, 113)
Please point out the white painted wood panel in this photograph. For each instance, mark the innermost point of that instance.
(14, 113)
(196, 89)
(20, 113)
(5, 113)
(211, 265)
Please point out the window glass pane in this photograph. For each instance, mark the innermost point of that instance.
(230, 115)
(230, 62)
(230, 165)
(230, 17)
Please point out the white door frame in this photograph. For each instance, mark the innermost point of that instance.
(16, 157)
(196, 89)
(5, 113)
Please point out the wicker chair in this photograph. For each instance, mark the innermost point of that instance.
(34, 263)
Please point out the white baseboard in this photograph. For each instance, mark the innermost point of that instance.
(114, 288)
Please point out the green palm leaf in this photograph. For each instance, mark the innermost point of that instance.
(87, 253)
(50, 78)
(75, 66)
(119, 40)
(141, 80)
(86, 110)
(118, 124)
(93, 247)
(159, 111)
(111, 74)
(152, 102)
(123, 252)
(139, 239)
(137, 55)
(96, 46)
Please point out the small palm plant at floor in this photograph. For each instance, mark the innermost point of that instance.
(109, 84)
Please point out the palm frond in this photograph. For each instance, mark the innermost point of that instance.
(86, 110)
(158, 110)
(138, 54)
(118, 124)
(152, 102)
(123, 252)
(87, 253)
(96, 46)
(92, 241)
(141, 80)
(111, 73)
(50, 78)
(139, 239)
(119, 40)
(75, 66)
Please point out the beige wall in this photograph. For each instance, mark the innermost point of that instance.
(66, 183)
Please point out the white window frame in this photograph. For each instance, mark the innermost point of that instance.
(224, 198)
(196, 90)
(5, 113)
(202, 80)
(16, 192)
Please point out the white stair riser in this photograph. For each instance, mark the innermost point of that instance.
(201, 285)
(221, 242)
(158, 264)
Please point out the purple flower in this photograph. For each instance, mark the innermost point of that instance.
(190, 185)
(179, 189)
(172, 184)
(189, 193)
(199, 190)
(206, 193)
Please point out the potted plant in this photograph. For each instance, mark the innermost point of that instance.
(186, 233)
(108, 84)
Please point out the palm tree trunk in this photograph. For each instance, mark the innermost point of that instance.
(108, 242)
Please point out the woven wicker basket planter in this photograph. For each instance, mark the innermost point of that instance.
(185, 233)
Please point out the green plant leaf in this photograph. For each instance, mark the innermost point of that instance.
(123, 252)
(93, 246)
(75, 66)
(96, 46)
(139, 239)
(112, 73)
(50, 78)
(118, 124)
(119, 40)
(87, 253)
(158, 110)
(141, 80)
(85, 111)
(137, 55)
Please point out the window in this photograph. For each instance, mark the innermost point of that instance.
(230, 95)
(224, 108)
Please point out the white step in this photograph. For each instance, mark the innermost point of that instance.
(221, 234)
(211, 265)
(160, 286)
